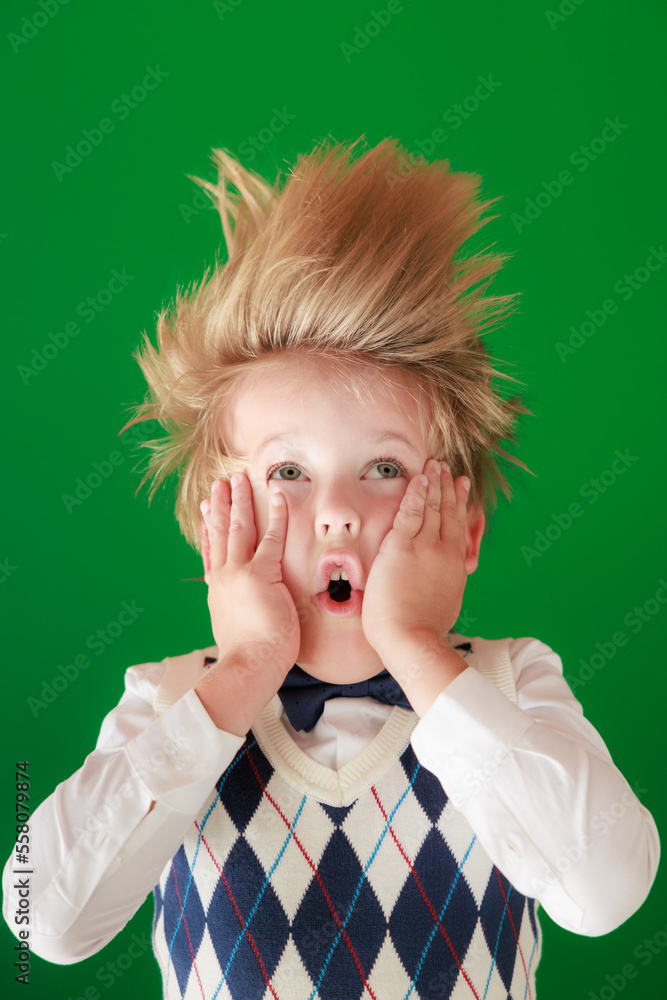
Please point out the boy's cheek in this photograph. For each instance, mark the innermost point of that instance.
(389, 512)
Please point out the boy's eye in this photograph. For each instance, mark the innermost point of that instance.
(387, 468)
(292, 472)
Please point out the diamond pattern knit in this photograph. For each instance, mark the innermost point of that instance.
(277, 891)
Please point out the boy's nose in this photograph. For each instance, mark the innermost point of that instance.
(336, 513)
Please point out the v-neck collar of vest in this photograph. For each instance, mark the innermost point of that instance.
(334, 788)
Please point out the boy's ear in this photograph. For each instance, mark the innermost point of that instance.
(475, 521)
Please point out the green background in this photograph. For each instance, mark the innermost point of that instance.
(129, 205)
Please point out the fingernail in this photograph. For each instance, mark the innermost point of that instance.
(445, 467)
(236, 479)
(466, 484)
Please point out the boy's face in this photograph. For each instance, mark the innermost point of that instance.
(343, 467)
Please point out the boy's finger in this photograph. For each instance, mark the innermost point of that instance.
(242, 530)
(449, 503)
(272, 546)
(205, 540)
(410, 515)
(432, 507)
(465, 491)
(216, 513)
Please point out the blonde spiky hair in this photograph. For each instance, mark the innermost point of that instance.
(351, 258)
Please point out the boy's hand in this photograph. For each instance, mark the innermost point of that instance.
(416, 583)
(254, 619)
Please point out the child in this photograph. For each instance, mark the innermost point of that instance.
(344, 797)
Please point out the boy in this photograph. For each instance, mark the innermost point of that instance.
(343, 797)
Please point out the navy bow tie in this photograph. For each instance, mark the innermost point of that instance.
(303, 696)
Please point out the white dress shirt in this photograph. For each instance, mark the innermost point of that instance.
(534, 779)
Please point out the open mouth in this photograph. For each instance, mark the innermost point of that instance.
(339, 574)
(339, 590)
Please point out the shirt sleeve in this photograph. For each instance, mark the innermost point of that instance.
(539, 788)
(100, 841)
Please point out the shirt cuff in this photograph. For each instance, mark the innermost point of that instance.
(182, 754)
(467, 733)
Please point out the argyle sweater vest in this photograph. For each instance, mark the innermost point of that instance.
(296, 881)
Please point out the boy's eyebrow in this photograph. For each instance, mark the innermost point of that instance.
(294, 439)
